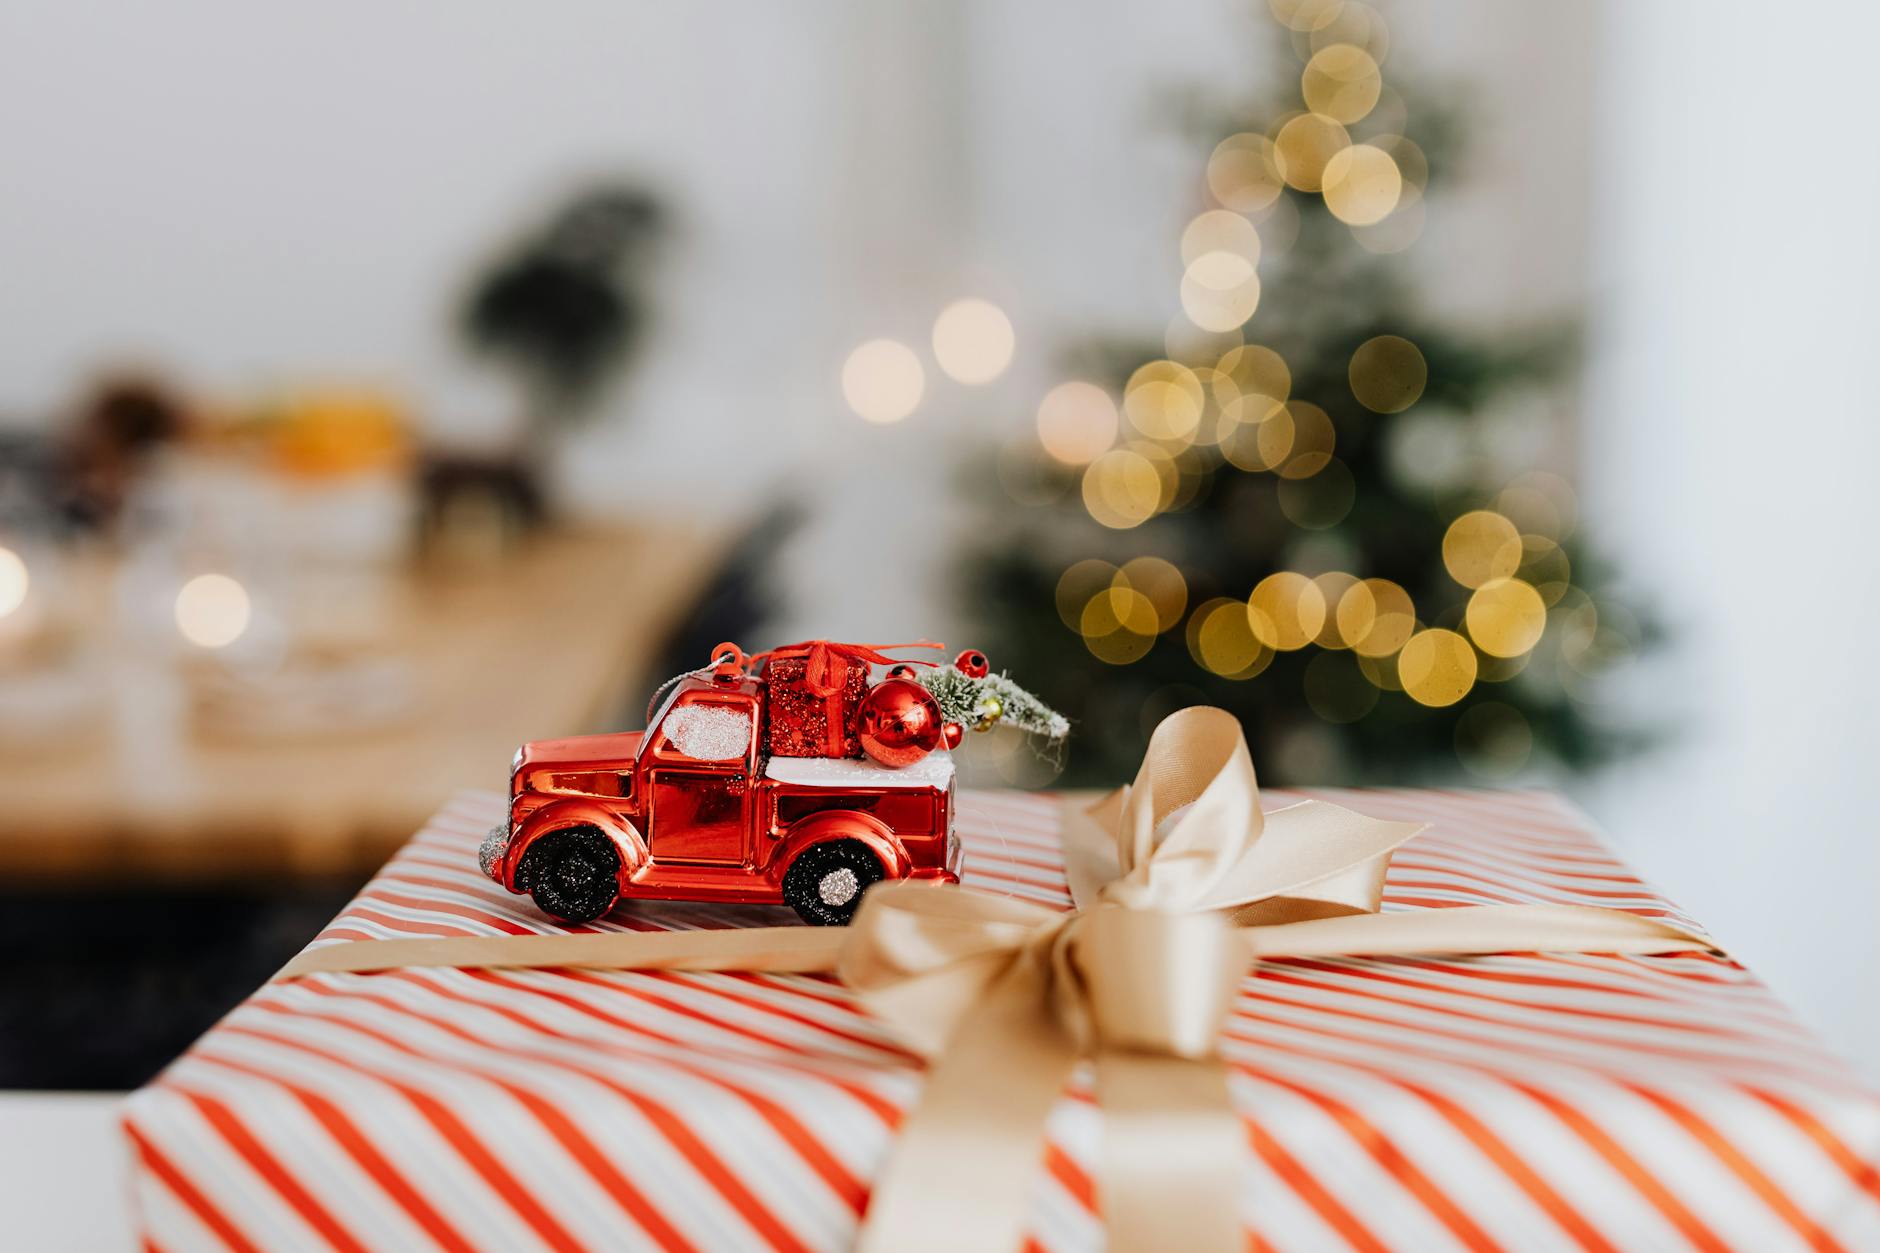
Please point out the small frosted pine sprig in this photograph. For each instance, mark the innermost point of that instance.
(967, 701)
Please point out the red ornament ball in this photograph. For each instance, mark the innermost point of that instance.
(973, 664)
(901, 671)
(898, 722)
(951, 734)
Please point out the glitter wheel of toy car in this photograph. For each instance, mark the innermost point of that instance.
(824, 885)
(573, 873)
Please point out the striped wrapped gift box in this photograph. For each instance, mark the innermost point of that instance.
(1517, 1102)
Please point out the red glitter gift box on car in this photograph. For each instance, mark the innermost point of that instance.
(810, 699)
(1519, 1101)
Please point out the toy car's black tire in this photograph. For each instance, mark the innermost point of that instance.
(824, 885)
(573, 873)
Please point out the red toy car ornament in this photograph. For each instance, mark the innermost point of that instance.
(748, 785)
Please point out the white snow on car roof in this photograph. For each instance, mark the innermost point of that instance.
(933, 770)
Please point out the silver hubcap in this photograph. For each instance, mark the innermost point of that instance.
(838, 887)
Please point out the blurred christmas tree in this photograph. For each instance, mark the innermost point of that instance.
(1325, 516)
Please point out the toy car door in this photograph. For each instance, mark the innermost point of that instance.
(700, 793)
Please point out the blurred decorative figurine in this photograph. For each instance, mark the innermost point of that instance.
(790, 776)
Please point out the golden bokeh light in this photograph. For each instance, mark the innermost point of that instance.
(1243, 173)
(1506, 617)
(1322, 501)
(882, 380)
(1480, 547)
(15, 581)
(1220, 291)
(212, 610)
(1333, 585)
(1118, 608)
(1220, 640)
(1493, 740)
(1077, 422)
(1080, 581)
(1118, 625)
(1251, 368)
(1388, 374)
(1304, 146)
(1285, 611)
(1161, 584)
(1163, 400)
(1313, 438)
(973, 341)
(1342, 82)
(1358, 24)
(1375, 617)
(1437, 667)
(1362, 185)
(1217, 230)
(1119, 648)
(1337, 689)
(1256, 432)
(1306, 15)
(1122, 488)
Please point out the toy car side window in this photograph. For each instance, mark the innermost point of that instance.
(706, 733)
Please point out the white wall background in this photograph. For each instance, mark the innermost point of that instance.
(1730, 446)
(264, 195)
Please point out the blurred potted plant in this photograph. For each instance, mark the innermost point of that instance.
(561, 312)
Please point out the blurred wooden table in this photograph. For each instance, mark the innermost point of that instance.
(549, 642)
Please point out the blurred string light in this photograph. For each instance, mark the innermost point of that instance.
(1505, 617)
(1164, 400)
(1243, 173)
(1355, 23)
(1285, 611)
(1306, 15)
(1077, 422)
(1221, 640)
(15, 581)
(1388, 374)
(1341, 82)
(1220, 287)
(883, 380)
(973, 341)
(212, 610)
(1437, 667)
(1305, 145)
(1480, 547)
(1123, 488)
(1362, 185)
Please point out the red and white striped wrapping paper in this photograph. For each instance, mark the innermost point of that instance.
(1515, 1102)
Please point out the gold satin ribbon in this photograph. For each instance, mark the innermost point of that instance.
(1180, 883)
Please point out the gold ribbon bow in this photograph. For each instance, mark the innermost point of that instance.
(1180, 883)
